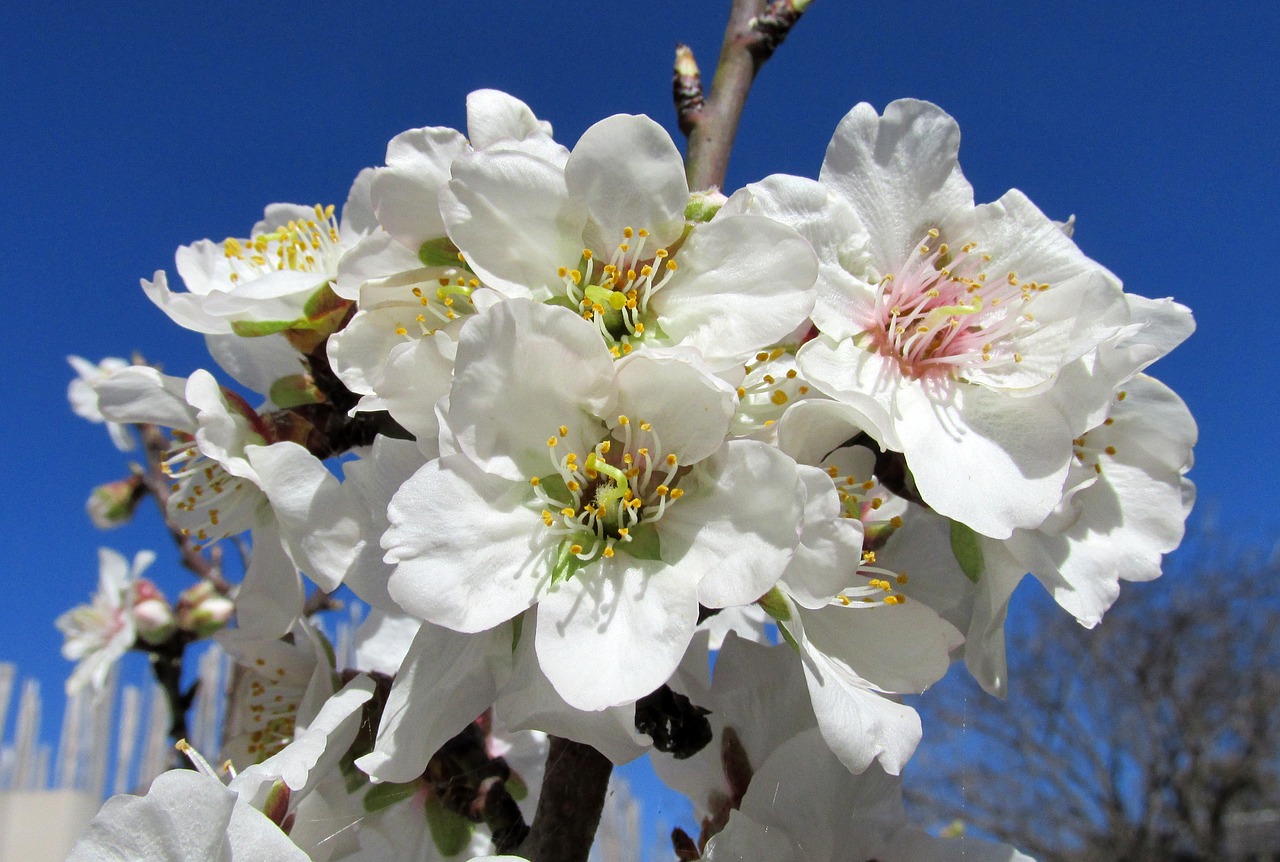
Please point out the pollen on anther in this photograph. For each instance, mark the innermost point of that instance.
(671, 460)
(1110, 450)
(552, 441)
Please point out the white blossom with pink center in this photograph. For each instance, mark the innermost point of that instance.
(947, 325)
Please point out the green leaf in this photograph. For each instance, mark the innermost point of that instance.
(450, 832)
(438, 252)
(386, 794)
(967, 550)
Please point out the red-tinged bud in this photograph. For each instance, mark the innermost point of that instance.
(202, 610)
(152, 615)
(113, 504)
(276, 805)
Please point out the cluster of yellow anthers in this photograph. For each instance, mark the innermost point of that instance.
(854, 505)
(852, 496)
(615, 295)
(941, 312)
(273, 710)
(609, 491)
(198, 483)
(294, 246)
(767, 389)
(442, 307)
(870, 593)
(1083, 450)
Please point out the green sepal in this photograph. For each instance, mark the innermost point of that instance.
(322, 314)
(439, 252)
(321, 305)
(517, 629)
(699, 209)
(563, 302)
(516, 787)
(294, 391)
(567, 563)
(645, 543)
(967, 550)
(775, 605)
(259, 328)
(450, 832)
(788, 637)
(386, 794)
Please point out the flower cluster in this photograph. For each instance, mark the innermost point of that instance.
(599, 424)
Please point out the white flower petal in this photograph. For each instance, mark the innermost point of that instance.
(405, 192)
(468, 552)
(899, 171)
(321, 526)
(615, 630)
(738, 523)
(744, 283)
(511, 215)
(445, 681)
(523, 370)
(629, 173)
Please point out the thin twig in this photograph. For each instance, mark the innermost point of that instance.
(754, 32)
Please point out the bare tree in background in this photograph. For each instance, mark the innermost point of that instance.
(1155, 736)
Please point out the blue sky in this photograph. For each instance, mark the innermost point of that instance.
(131, 128)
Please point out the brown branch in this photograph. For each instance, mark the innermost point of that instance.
(753, 33)
(573, 791)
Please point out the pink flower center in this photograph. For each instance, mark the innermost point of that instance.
(942, 313)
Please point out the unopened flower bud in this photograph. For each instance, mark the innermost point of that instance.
(703, 205)
(113, 504)
(152, 616)
(202, 610)
(276, 805)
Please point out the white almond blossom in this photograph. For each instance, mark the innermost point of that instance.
(943, 322)
(272, 279)
(1128, 503)
(411, 289)
(605, 233)
(603, 493)
(84, 400)
(98, 634)
(187, 816)
(229, 474)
